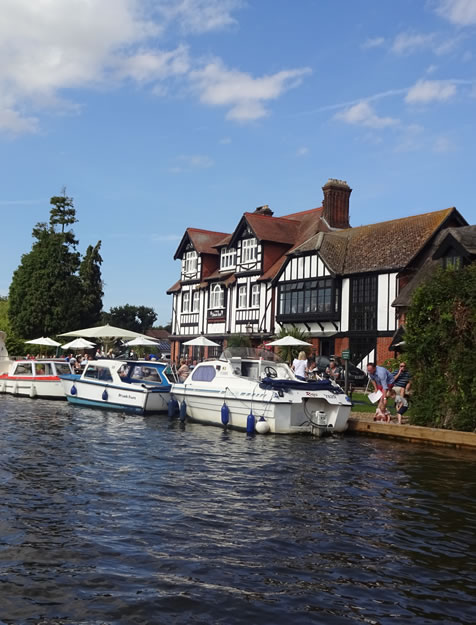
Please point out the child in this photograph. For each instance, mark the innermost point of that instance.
(382, 416)
(401, 404)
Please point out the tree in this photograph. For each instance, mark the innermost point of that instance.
(45, 288)
(62, 211)
(134, 318)
(91, 286)
(440, 342)
(47, 296)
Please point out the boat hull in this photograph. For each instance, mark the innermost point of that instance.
(292, 414)
(41, 388)
(127, 398)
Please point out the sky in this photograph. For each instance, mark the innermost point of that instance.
(158, 115)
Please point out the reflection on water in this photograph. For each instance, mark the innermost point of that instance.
(114, 519)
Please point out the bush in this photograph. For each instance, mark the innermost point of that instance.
(440, 344)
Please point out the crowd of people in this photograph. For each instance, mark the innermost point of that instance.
(306, 368)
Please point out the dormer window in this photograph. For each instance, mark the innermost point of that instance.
(249, 250)
(227, 258)
(190, 262)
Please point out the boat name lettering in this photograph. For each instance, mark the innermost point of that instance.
(326, 395)
(127, 396)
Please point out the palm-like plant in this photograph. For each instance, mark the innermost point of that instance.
(288, 354)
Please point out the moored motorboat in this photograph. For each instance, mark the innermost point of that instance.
(126, 385)
(253, 390)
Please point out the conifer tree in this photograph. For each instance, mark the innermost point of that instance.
(45, 292)
(91, 285)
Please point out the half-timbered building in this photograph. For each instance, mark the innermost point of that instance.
(309, 270)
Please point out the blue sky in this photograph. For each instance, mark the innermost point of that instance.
(158, 115)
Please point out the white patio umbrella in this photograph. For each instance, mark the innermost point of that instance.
(104, 332)
(44, 340)
(201, 341)
(142, 340)
(78, 344)
(288, 341)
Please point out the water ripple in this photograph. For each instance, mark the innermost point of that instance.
(112, 519)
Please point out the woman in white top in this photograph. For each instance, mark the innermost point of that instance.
(299, 366)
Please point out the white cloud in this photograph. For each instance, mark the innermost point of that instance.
(50, 47)
(188, 162)
(302, 151)
(425, 91)
(411, 138)
(443, 145)
(153, 65)
(373, 42)
(363, 114)
(460, 12)
(244, 95)
(406, 43)
(199, 16)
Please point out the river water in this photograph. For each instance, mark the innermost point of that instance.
(113, 519)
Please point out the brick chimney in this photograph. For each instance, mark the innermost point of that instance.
(264, 210)
(336, 203)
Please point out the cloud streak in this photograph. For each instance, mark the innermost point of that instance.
(363, 114)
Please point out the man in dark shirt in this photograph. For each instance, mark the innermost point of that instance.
(402, 379)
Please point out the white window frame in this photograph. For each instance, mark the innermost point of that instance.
(227, 258)
(196, 301)
(255, 295)
(249, 250)
(190, 262)
(186, 301)
(243, 296)
(217, 296)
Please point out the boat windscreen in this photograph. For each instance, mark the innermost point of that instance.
(249, 353)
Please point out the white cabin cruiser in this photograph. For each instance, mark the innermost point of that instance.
(127, 385)
(31, 378)
(253, 390)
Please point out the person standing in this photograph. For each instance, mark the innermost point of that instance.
(383, 381)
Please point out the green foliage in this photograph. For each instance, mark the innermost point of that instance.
(49, 292)
(135, 318)
(62, 212)
(440, 343)
(15, 346)
(45, 292)
(288, 354)
(238, 340)
(393, 363)
(91, 285)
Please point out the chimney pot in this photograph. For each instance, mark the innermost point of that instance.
(336, 203)
(264, 210)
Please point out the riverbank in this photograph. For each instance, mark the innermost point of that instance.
(363, 423)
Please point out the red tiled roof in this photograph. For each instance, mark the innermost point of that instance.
(204, 241)
(174, 288)
(275, 229)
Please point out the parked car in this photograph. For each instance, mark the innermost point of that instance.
(357, 377)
